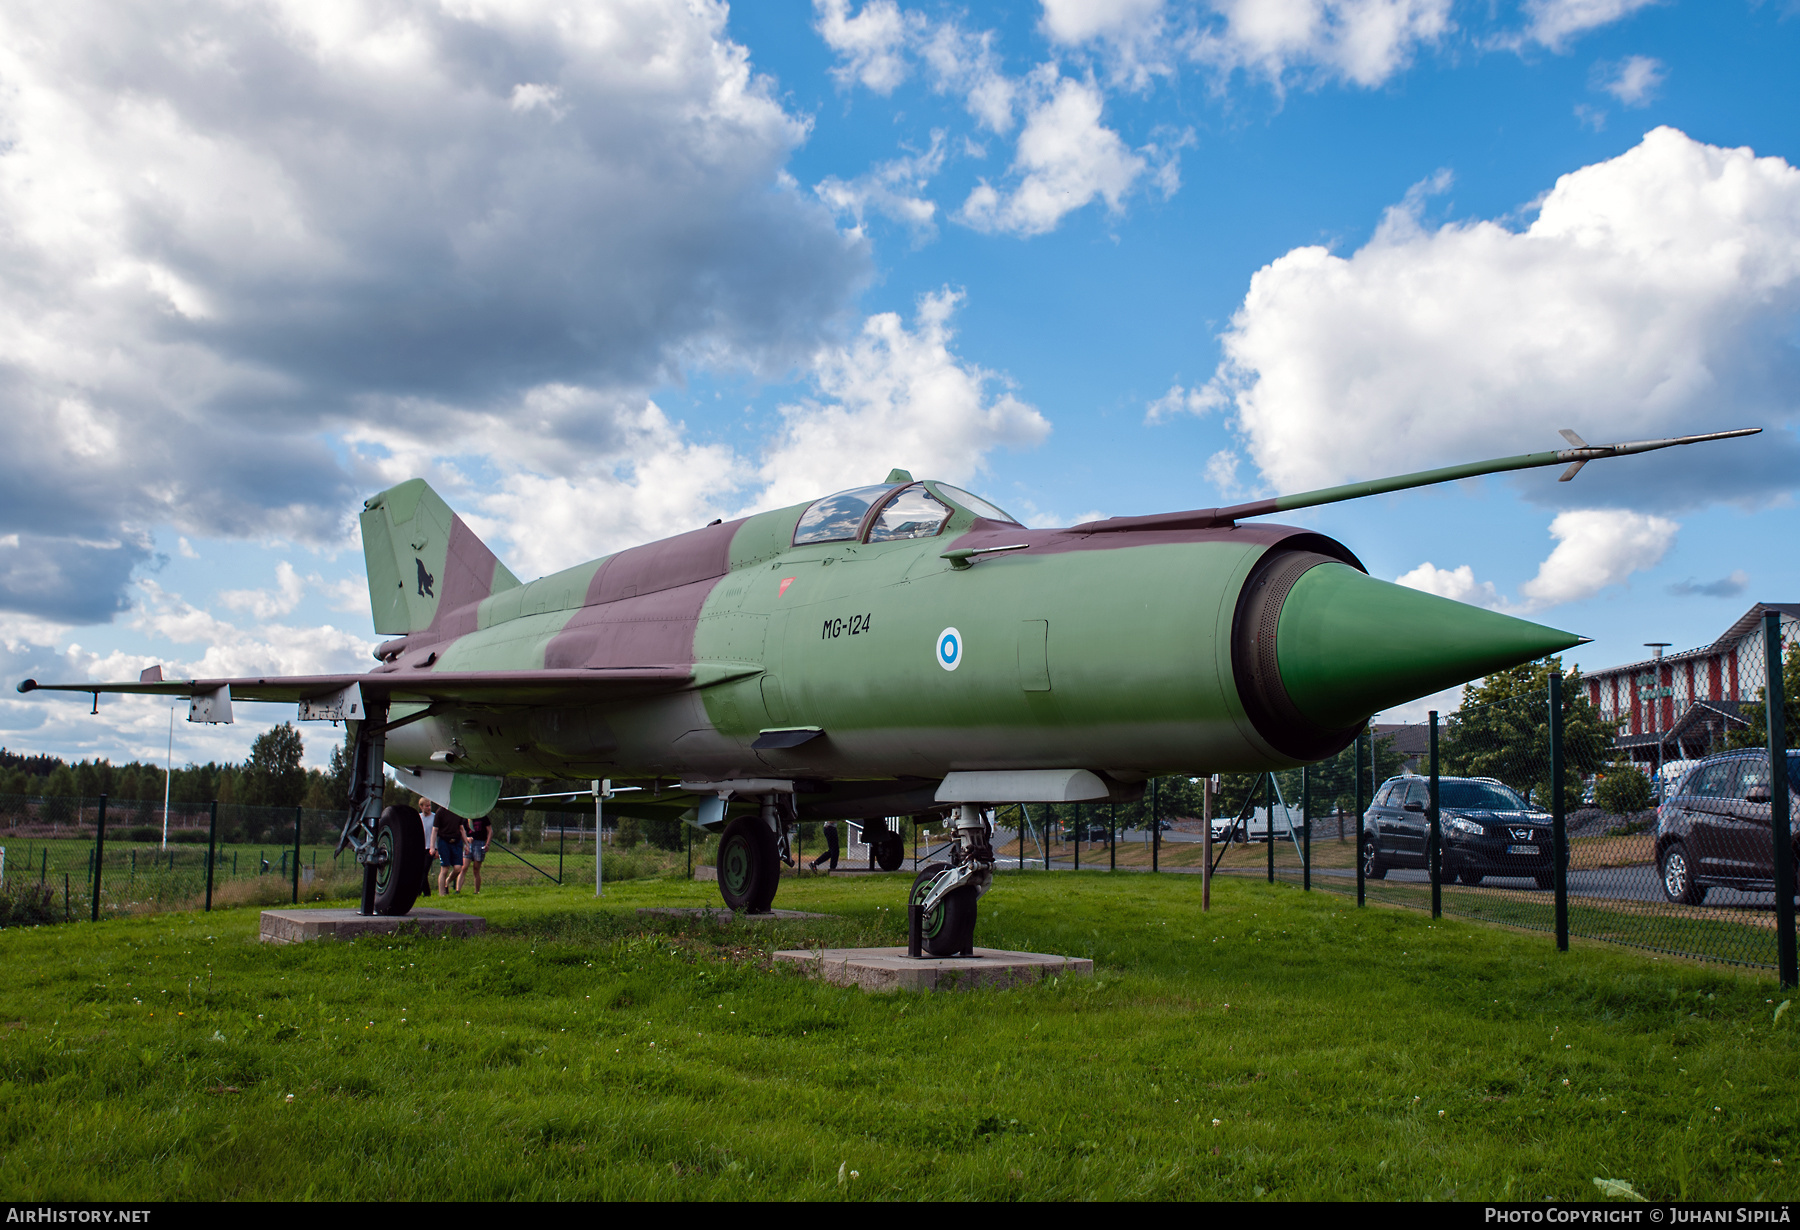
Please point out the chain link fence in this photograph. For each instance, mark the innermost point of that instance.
(1530, 811)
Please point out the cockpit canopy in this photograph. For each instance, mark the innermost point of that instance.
(888, 512)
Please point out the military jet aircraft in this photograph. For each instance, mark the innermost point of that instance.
(895, 649)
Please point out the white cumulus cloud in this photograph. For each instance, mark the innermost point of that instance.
(1457, 584)
(1595, 548)
(1655, 294)
(1553, 23)
(1364, 42)
(1633, 80)
(1066, 159)
(896, 397)
(235, 232)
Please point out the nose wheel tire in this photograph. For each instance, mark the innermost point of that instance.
(401, 837)
(890, 854)
(948, 929)
(1373, 867)
(749, 865)
(1678, 877)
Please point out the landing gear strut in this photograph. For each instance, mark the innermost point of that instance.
(389, 841)
(941, 907)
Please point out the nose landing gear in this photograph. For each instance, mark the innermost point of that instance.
(942, 905)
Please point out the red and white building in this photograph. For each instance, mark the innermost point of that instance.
(1680, 706)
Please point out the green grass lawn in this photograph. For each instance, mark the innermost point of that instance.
(1285, 1046)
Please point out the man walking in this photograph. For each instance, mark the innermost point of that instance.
(831, 846)
(449, 830)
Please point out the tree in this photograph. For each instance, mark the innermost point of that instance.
(1756, 734)
(1623, 790)
(273, 776)
(1503, 731)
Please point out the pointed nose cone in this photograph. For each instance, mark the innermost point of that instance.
(1349, 645)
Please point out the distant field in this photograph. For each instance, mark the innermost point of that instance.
(1284, 1046)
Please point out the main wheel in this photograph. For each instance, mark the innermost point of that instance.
(890, 854)
(949, 927)
(1678, 877)
(1373, 867)
(749, 867)
(401, 836)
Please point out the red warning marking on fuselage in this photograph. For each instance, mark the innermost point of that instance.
(785, 582)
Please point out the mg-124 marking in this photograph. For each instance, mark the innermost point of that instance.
(856, 625)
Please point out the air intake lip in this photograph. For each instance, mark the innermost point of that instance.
(1256, 666)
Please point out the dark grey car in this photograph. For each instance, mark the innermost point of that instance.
(1714, 830)
(1487, 830)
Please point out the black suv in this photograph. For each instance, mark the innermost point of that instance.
(1488, 830)
(1714, 830)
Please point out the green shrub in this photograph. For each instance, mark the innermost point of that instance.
(28, 904)
(534, 830)
(1623, 790)
(631, 831)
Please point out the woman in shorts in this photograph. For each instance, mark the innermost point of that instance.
(479, 831)
(448, 827)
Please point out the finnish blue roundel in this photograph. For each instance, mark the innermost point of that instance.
(949, 652)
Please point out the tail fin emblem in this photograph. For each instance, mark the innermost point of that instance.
(425, 579)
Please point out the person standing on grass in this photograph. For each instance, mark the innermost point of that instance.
(480, 830)
(426, 808)
(831, 846)
(449, 829)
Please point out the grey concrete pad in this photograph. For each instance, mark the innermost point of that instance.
(298, 926)
(721, 914)
(706, 873)
(890, 969)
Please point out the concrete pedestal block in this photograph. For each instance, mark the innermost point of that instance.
(721, 914)
(890, 969)
(298, 926)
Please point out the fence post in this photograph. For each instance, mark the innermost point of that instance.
(212, 849)
(1361, 807)
(1112, 836)
(1269, 821)
(1155, 831)
(296, 856)
(1077, 837)
(1434, 857)
(1559, 827)
(1049, 817)
(1780, 819)
(99, 856)
(1306, 828)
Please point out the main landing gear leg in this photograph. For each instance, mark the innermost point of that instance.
(944, 894)
(389, 841)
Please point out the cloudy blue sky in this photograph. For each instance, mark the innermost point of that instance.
(603, 271)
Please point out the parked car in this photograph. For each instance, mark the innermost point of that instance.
(1486, 827)
(1714, 829)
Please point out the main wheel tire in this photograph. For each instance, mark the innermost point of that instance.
(1373, 867)
(949, 927)
(890, 854)
(397, 881)
(749, 866)
(1470, 877)
(1678, 877)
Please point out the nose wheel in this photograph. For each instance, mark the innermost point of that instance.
(749, 865)
(947, 929)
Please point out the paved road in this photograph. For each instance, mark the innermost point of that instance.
(1636, 883)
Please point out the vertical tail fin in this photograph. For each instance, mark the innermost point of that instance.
(425, 564)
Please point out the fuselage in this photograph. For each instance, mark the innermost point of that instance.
(1107, 650)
